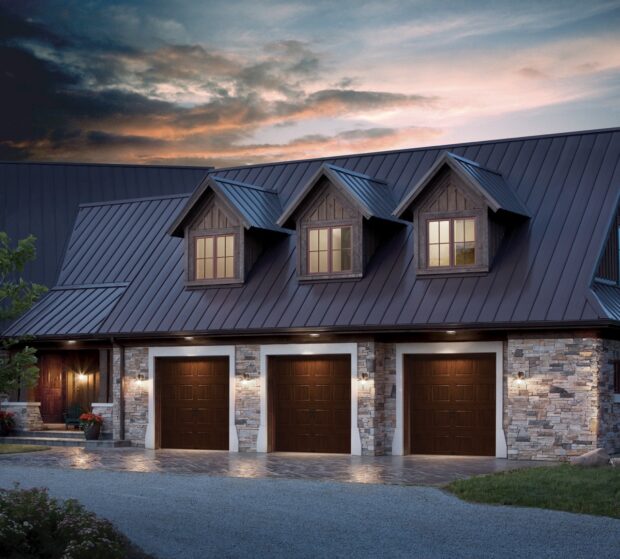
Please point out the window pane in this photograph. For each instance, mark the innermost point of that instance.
(444, 231)
(323, 234)
(459, 230)
(200, 247)
(200, 268)
(323, 261)
(221, 246)
(346, 260)
(336, 261)
(444, 254)
(470, 230)
(433, 232)
(336, 238)
(230, 245)
(230, 265)
(208, 268)
(464, 254)
(221, 267)
(313, 239)
(209, 247)
(346, 238)
(313, 263)
(433, 255)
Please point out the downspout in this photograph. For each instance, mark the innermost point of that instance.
(121, 390)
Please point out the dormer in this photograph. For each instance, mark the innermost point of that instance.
(341, 217)
(226, 225)
(460, 213)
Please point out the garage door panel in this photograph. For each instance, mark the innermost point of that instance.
(451, 403)
(316, 393)
(194, 402)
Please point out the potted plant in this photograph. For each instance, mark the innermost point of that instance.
(7, 422)
(91, 424)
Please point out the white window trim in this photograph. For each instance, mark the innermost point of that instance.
(192, 351)
(398, 444)
(308, 349)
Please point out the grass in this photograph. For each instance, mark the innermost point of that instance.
(565, 487)
(15, 448)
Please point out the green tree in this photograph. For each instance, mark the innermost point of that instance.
(18, 363)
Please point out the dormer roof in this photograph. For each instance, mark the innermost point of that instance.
(490, 184)
(371, 196)
(257, 207)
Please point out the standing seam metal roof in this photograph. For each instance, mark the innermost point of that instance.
(542, 275)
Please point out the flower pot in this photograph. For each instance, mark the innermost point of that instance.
(4, 430)
(91, 432)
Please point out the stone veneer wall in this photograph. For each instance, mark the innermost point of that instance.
(387, 353)
(247, 396)
(609, 408)
(370, 399)
(136, 394)
(106, 411)
(27, 415)
(554, 414)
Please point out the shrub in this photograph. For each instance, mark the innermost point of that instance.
(7, 419)
(32, 524)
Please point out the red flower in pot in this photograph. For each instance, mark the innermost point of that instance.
(91, 424)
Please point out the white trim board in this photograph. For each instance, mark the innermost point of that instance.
(192, 351)
(497, 348)
(308, 349)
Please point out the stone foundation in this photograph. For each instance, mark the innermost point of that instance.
(553, 414)
(27, 415)
(136, 394)
(247, 396)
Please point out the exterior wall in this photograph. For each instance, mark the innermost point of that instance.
(106, 411)
(27, 415)
(609, 403)
(554, 414)
(136, 394)
(247, 396)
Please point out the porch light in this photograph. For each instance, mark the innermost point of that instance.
(314, 335)
(245, 378)
(71, 341)
(82, 376)
(520, 381)
(364, 378)
(451, 332)
(189, 338)
(140, 378)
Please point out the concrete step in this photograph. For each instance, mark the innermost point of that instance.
(43, 441)
(61, 434)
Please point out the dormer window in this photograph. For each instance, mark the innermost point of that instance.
(460, 212)
(329, 250)
(451, 242)
(215, 257)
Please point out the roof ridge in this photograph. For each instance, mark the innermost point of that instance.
(121, 201)
(440, 147)
(473, 163)
(243, 184)
(355, 173)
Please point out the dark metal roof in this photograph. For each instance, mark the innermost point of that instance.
(490, 184)
(43, 199)
(542, 275)
(609, 298)
(257, 207)
(371, 196)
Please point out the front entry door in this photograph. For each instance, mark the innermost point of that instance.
(49, 389)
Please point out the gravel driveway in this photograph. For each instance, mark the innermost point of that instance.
(199, 516)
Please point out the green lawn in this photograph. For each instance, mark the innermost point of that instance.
(14, 448)
(565, 487)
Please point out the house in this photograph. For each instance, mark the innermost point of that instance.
(460, 299)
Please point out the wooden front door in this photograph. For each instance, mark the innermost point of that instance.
(310, 403)
(49, 389)
(450, 404)
(192, 402)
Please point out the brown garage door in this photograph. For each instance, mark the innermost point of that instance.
(310, 403)
(192, 402)
(450, 404)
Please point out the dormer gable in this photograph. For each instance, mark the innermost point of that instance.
(460, 212)
(341, 217)
(226, 225)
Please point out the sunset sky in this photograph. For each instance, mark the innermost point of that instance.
(224, 83)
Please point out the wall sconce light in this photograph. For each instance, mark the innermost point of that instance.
(451, 332)
(245, 378)
(314, 335)
(140, 378)
(520, 378)
(71, 342)
(189, 338)
(364, 378)
(82, 377)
